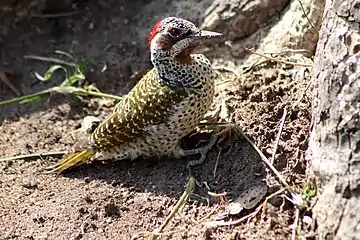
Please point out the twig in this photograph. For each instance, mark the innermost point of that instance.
(196, 222)
(257, 62)
(49, 59)
(147, 233)
(8, 83)
(246, 69)
(34, 155)
(220, 124)
(223, 194)
(223, 82)
(263, 157)
(294, 51)
(303, 93)
(3, 123)
(282, 122)
(55, 15)
(217, 162)
(190, 186)
(253, 214)
(228, 69)
(296, 224)
(303, 9)
(278, 60)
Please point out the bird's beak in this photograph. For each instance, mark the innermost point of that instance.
(205, 35)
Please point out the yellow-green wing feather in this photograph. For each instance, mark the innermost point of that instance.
(148, 103)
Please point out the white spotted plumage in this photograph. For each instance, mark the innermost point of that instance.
(164, 106)
(162, 139)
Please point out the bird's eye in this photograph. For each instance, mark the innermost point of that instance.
(174, 32)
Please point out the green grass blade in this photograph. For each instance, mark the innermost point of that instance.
(26, 98)
(48, 74)
(30, 99)
(64, 53)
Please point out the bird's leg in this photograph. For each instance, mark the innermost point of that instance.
(224, 114)
(179, 152)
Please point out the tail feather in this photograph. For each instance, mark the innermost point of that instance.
(72, 159)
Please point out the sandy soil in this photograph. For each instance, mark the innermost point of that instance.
(117, 200)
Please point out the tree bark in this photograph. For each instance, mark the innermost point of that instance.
(334, 147)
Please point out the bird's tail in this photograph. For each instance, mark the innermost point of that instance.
(72, 159)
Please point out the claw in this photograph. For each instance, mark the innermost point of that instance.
(179, 152)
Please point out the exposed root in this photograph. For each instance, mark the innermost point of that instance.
(8, 83)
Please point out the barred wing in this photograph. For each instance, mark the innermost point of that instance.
(147, 103)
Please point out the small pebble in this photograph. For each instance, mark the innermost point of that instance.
(235, 208)
(88, 199)
(87, 180)
(82, 210)
(307, 220)
(32, 184)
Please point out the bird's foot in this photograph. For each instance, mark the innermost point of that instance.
(224, 130)
(179, 152)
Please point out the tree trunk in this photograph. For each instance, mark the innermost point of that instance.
(334, 147)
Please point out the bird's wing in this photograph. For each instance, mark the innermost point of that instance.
(146, 104)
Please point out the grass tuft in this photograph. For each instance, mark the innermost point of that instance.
(73, 83)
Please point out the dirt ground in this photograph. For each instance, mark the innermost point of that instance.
(117, 200)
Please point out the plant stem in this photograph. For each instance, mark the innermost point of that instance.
(105, 95)
(190, 186)
(72, 90)
(49, 59)
(34, 155)
(25, 97)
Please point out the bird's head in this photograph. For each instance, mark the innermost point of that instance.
(176, 38)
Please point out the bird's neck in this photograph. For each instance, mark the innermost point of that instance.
(169, 68)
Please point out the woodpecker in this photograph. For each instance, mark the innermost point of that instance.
(163, 107)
